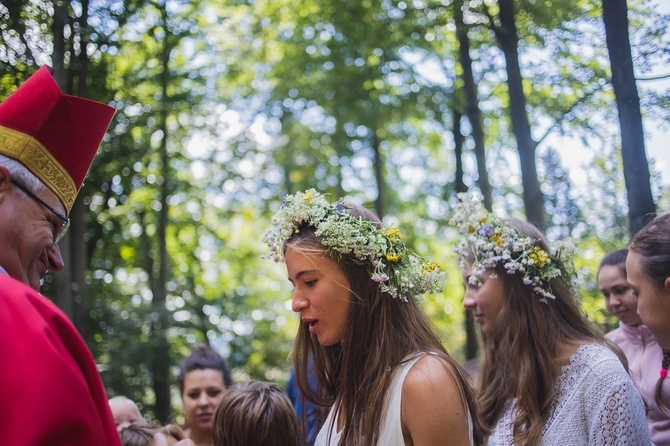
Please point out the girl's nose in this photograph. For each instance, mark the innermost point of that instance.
(468, 301)
(298, 302)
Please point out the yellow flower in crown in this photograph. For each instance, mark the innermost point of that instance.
(539, 257)
(393, 257)
(392, 233)
(429, 267)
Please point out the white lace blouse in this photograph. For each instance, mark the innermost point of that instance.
(595, 404)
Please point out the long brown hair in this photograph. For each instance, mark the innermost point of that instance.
(381, 331)
(652, 243)
(520, 360)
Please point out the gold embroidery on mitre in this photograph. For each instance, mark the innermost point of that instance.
(32, 154)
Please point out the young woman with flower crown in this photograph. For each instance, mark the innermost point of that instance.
(548, 375)
(382, 372)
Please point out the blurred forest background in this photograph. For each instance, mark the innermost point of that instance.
(225, 106)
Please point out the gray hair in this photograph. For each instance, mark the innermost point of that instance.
(20, 172)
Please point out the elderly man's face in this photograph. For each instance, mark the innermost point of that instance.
(27, 231)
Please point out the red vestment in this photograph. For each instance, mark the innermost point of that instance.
(50, 390)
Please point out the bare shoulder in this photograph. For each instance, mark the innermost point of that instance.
(430, 367)
(433, 408)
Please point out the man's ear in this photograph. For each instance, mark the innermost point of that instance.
(667, 283)
(5, 179)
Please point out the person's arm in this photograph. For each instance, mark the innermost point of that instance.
(433, 411)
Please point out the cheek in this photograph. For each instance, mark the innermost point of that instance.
(189, 404)
(642, 302)
(631, 301)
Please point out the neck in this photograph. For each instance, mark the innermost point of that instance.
(200, 438)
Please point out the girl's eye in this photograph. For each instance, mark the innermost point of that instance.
(310, 283)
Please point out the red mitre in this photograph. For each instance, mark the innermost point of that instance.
(54, 135)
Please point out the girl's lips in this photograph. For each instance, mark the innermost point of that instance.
(312, 325)
(205, 417)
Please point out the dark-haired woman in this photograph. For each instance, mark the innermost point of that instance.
(203, 377)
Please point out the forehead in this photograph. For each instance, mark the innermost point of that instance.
(202, 378)
(298, 260)
(633, 266)
(611, 272)
(122, 408)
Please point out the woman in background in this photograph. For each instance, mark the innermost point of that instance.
(635, 339)
(203, 377)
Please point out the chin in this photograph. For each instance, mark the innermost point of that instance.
(327, 342)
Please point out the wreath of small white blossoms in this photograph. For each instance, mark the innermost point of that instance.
(491, 241)
(398, 271)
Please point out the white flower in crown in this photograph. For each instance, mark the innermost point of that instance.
(398, 271)
(492, 242)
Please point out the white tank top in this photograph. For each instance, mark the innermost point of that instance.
(390, 433)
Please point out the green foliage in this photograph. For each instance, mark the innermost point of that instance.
(350, 97)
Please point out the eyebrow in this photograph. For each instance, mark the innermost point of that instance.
(302, 273)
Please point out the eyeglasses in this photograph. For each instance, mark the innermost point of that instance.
(58, 232)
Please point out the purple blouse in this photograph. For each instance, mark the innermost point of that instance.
(644, 364)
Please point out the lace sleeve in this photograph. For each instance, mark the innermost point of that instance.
(618, 411)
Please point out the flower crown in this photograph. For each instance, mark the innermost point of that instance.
(491, 241)
(398, 271)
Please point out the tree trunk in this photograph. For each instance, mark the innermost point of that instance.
(381, 205)
(78, 249)
(58, 31)
(473, 111)
(471, 342)
(641, 207)
(161, 360)
(459, 184)
(62, 281)
(533, 198)
(78, 261)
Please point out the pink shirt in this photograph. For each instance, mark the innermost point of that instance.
(644, 363)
